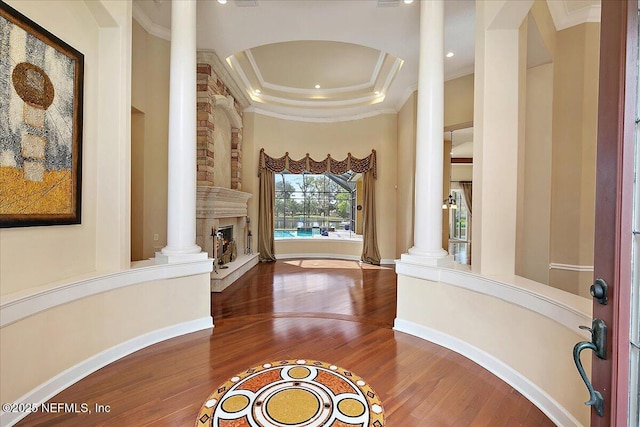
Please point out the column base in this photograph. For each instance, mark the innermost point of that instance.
(432, 260)
(173, 258)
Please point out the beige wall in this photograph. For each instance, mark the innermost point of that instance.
(532, 261)
(357, 137)
(532, 344)
(461, 172)
(458, 101)
(34, 256)
(321, 248)
(150, 96)
(137, 184)
(406, 175)
(39, 347)
(458, 110)
(65, 263)
(573, 166)
(139, 67)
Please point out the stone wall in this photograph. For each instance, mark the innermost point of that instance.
(209, 85)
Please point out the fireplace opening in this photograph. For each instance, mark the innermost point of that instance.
(226, 246)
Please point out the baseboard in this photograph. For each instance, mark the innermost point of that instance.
(55, 385)
(547, 404)
(318, 256)
(384, 261)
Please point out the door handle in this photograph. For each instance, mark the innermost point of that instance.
(598, 344)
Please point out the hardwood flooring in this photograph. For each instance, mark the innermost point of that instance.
(335, 311)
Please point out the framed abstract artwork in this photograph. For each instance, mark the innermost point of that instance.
(41, 94)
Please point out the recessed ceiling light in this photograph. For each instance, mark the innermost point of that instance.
(257, 91)
(450, 54)
(377, 92)
(222, 1)
(408, 1)
(317, 86)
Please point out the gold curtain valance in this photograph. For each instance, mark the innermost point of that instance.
(328, 165)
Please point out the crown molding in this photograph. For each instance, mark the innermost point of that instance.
(563, 19)
(332, 119)
(367, 99)
(211, 58)
(146, 23)
(395, 68)
(303, 91)
(406, 95)
(460, 73)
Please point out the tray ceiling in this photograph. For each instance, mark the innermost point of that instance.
(364, 57)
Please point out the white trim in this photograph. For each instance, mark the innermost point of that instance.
(222, 72)
(383, 261)
(377, 68)
(149, 26)
(397, 64)
(14, 307)
(304, 91)
(460, 73)
(319, 256)
(233, 63)
(254, 66)
(55, 385)
(367, 99)
(562, 19)
(332, 119)
(318, 239)
(547, 404)
(556, 266)
(406, 95)
(562, 307)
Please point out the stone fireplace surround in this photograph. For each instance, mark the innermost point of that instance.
(218, 207)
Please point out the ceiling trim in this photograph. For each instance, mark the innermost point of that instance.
(248, 88)
(461, 73)
(563, 19)
(332, 119)
(406, 95)
(302, 91)
(146, 23)
(368, 99)
(397, 64)
(211, 58)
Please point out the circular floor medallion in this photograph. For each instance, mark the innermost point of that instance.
(293, 393)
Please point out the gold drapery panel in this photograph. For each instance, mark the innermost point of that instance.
(266, 205)
(270, 165)
(328, 165)
(370, 252)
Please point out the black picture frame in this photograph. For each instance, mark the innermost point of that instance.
(40, 146)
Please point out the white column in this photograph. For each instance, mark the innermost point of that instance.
(427, 232)
(181, 209)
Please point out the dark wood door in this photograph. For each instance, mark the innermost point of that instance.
(614, 203)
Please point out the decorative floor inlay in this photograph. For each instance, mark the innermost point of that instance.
(291, 393)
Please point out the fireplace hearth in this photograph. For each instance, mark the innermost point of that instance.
(224, 211)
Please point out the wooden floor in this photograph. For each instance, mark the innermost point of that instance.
(335, 311)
